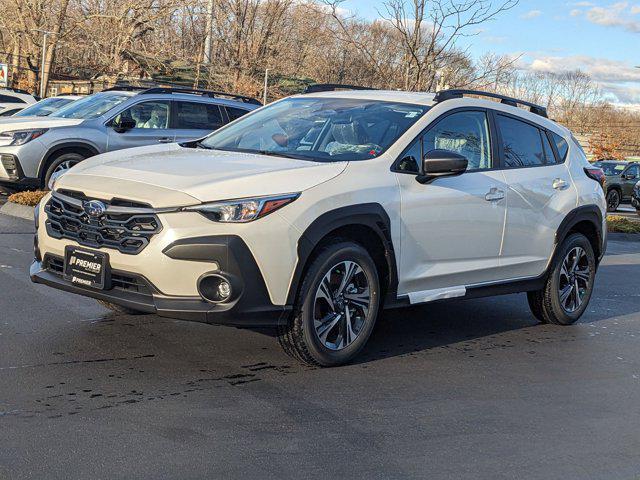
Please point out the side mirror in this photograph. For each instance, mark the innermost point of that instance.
(123, 125)
(441, 163)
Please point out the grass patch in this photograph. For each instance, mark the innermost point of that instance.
(29, 199)
(617, 224)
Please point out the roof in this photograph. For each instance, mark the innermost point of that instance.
(419, 98)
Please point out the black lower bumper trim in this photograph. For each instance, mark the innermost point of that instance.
(182, 308)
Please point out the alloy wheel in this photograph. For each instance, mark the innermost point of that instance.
(613, 200)
(575, 279)
(66, 165)
(341, 305)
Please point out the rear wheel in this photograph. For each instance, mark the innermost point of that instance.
(336, 308)
(613, 200)
(61, 163)
(119, 308)
(569, 285)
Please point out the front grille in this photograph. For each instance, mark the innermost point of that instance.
(119, 280)
(127, 232)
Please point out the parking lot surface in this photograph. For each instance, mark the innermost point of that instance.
(472, 389)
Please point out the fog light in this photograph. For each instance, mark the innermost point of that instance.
(215, 288)
(224, 290)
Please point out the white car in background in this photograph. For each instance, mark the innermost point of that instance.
(14, 99)
(43, 108)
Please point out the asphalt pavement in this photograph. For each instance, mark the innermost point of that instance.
(473, 389)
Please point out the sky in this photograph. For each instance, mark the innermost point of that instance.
(601, 38)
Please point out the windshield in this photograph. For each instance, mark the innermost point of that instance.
(612, 168)
(45, 107)
(91, 107)
(319, 129)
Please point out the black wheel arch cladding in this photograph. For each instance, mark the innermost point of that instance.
(370, 215)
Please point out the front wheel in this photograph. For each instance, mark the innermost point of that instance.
(613, 200)
(569, 285)
(60, 164)
(336, 308)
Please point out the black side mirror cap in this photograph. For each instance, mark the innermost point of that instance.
(124, 125)
(441, 163)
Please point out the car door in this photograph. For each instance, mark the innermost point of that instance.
(452, 228)
(193, 120)
(629, 180)
(540, 194)
(151, 120)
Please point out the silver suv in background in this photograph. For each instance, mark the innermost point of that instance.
(33, 149)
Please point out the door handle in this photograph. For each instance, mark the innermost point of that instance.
(165, 140)
(494, 195)
(560, 184)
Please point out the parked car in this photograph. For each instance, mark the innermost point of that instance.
(13, 99)
(8, 112)
(635, 197)
(621, 178)
(47, 106)
(32, 149)
(312, 214)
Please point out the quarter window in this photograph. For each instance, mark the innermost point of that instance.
(521, 143)
(561, 145)
(198, 116)
(465, 133)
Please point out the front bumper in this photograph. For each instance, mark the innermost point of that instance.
(251, 308)
(27, 159)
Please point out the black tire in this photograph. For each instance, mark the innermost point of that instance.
(300, 337)
(70, 158)
(119, 308)
(556, 302)
(613, 200)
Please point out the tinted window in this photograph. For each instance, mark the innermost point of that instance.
(612, 168)
(561, 145)
(466, 133)
(319, 129)
(8, 99)
(410, 161)
(633, 170)
(198, 116)
(235, 113)
(154, 114)
(521, 143)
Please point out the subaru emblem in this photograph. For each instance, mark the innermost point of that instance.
(94, 208)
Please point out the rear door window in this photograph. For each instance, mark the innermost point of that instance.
(521, 143)
(198, 116)
(8, 99)
(235, 113)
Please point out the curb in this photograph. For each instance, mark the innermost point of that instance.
(624, 237)
(15, 210)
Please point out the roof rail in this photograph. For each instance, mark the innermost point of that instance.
(125, 88)
(204, 93)
(444, 95)
(332, 87)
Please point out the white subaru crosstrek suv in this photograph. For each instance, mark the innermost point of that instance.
(313, 213)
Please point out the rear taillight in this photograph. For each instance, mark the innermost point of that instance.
(595, 173)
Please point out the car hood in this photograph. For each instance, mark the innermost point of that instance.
(25, 123)
(171, 175)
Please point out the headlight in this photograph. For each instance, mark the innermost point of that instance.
(242, 210)
(20, 137)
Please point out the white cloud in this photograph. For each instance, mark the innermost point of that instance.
(531, 14)
(619, 15)
(619, 80)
